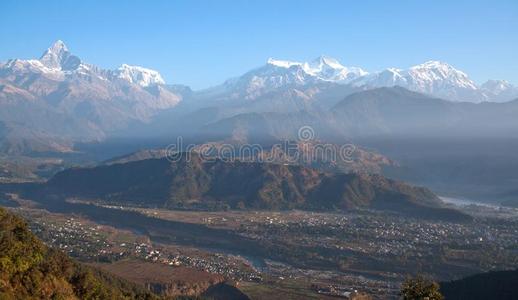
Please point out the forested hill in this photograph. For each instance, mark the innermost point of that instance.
(31, 270)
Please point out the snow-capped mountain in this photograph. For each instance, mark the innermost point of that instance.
(433, 77)
(275, 74)
(497, 86)
(58, 57)
(322, 68)
(329, 69)
(139, 75)
(58, 63)
(284, 74)
(499, 90)
(50, 103)
(63, 99)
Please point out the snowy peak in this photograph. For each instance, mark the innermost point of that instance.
(58, 47)
(324, 62)
(499, 90)
(497, 86)
(386, 78)
(323, 68)
(139, 75)
(52, 64)
(276, 74)
(273, 75)
(440, 71)
(437, 70)
(432, 77)
(330, 69)
(58, 63)
(58, 57)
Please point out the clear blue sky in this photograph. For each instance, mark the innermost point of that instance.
(202, 43)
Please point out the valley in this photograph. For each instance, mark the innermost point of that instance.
(273, 250)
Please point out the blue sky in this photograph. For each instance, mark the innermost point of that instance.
(202, 43)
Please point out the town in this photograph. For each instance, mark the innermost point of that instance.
(332, 253)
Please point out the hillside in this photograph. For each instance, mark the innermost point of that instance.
(218, 184)
(346, 115)
(400, 112)
(30, 270)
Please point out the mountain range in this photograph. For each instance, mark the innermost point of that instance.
(374, 113)
(435, 78)
(58, 101)
(51, 102)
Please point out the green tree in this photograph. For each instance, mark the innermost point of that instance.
(420, 288)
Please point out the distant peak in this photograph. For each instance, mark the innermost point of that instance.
(324, 67)
(440, 67)
(327, 60)
(497, 86)
(58, 48)
(139, 75)
(57, 56)
(58, 45)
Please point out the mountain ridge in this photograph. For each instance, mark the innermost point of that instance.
(435, 78)
(432, 77)
(194, 183)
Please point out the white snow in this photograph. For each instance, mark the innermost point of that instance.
(139, 75)
(55, 57)
(497, 86)
(32, 66)
(432, 77)
(324, 68)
